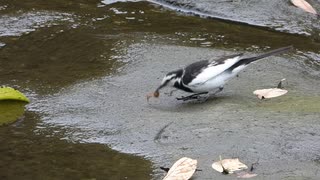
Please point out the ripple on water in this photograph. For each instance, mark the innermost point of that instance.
(3, 7)
(107, 2)
(27, 22)
(2, 44)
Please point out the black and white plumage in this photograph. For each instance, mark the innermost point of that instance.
(209, 76)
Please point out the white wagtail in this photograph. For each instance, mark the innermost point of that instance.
(209, 76)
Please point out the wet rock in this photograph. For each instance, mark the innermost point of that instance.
(233, 124)
(273, 14)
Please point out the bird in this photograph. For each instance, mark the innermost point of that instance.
(209, 76)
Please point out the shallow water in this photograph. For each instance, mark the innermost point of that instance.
(87, 67)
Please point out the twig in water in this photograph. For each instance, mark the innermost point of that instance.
(253, 165)
(167, 169)
(280, 83)
(161, 131)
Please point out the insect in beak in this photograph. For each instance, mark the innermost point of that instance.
(154, 94)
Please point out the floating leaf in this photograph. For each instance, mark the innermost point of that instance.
(245, 175)
(183, 169)
(10, 111)
(228, 166)
(304, 5)
(269, 93)
(8, 93)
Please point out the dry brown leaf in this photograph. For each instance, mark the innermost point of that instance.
(183, 169)
(269, 93)
(245, 175)
(304, 5)
(229, 165)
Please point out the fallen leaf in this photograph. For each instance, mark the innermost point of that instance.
(304, 5)
(269, 93)
(245, 175)
(11, 111)
(183, 169)
(228, 165)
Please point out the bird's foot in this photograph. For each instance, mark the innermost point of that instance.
(186, 98)
(217, 91)
(193, 96)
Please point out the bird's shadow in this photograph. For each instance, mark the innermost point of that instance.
(170, 104)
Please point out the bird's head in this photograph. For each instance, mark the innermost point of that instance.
(169, 80)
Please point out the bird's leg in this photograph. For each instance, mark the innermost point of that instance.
(212, 93)
(217, 91)
(197, 95)
(205, 98)
(193, 96)
(171, 92)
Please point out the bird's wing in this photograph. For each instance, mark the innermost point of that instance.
(202, 71)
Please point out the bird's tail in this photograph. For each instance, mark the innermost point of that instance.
(270, 53)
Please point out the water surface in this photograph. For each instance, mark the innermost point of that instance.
(88, 66)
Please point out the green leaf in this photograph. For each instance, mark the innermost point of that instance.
(8, 93)
(10, 111)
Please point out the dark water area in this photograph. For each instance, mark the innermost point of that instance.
(48, 46)
(28, 152)
(74, 60)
